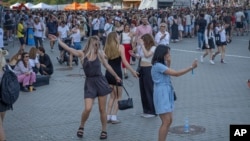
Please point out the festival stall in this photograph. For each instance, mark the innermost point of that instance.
(20, 7)
(130, 4)
(72, 6)
(88, 6)
(42, 6)
(29, 5)
(14, 5)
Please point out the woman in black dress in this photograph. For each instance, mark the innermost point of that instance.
(96, 85)
(174, 29)
(116, 55)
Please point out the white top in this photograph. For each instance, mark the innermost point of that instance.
(96, 24)
(149, 59)
(188, 19)
(63, 31)
(164, 41)
(223, 37)
(107, 29)
(126, 39)
(1, 38)
(238, 16)
(208, 18)
(76, 37)
(37, 28)
(33, 62)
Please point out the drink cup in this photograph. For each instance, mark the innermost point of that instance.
(31, 88)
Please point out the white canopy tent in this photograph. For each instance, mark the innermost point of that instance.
(42, 6)
(14, 5)
(145, 4)
(29, 5)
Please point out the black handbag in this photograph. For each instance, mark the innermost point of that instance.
(127, 103)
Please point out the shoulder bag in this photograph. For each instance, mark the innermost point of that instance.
(127, 103)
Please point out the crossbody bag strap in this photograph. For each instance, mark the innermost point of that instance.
(123, 88)
(125, 91)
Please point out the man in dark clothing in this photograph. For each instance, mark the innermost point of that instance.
(46, 66)
(227, 20)
(201, 26)
(52, 26)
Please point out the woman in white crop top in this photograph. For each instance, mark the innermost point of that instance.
(126, 40)
(146, 51)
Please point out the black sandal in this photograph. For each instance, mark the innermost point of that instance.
(103, 135)
(80, 132)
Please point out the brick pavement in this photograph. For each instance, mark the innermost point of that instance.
(214, 97)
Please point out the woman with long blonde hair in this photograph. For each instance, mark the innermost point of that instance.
(96, 85)
(115, 54)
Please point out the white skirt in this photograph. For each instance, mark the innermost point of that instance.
(180, 27)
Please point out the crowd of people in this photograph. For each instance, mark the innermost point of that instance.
(115, 39)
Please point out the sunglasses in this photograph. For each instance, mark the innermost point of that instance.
(26, 56)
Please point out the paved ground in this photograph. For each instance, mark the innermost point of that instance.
(214, 97)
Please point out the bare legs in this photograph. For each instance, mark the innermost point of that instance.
(102, 108)
(221, 50)
(208, 51)
(2, 134)
(113, 103)
(166, 120)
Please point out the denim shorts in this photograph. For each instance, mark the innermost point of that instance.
(77, 45)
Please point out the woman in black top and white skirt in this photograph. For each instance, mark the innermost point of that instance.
(209, 42)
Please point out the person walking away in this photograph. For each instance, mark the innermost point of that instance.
(21, 33)
(201, 26)
(52, 26)
(239, 15)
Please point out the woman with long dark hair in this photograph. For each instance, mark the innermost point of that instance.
(209, 43)
(163, 90)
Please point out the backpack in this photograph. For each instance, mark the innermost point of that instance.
(9, 87)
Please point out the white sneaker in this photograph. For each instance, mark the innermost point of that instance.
(211, 62)
(201, 59)
(147, 115)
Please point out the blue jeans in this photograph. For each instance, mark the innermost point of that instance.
(188, 29)
(200, 39)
